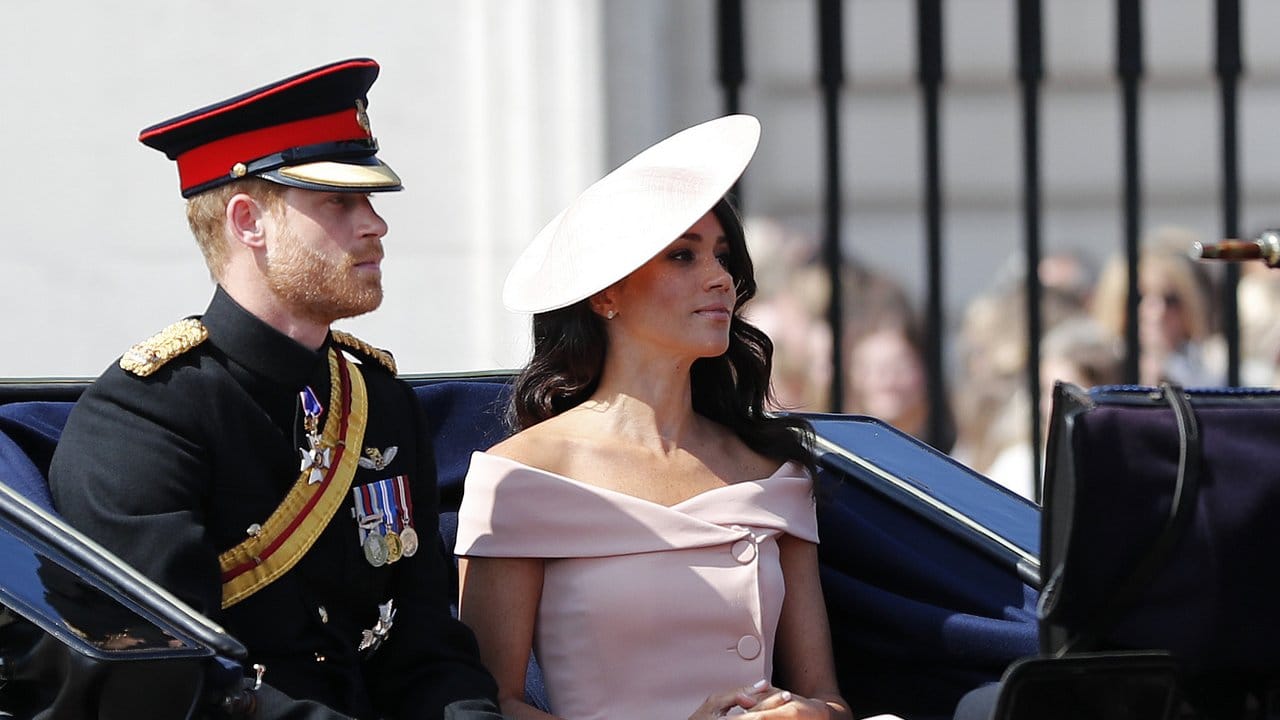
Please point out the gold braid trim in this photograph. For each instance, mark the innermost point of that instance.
(352, 342)
(151, 354)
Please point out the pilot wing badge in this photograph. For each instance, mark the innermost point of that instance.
(375, 459)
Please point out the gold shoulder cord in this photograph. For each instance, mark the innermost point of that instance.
(348, 340)
(151, 354)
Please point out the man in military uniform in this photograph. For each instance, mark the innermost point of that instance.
(271, 472)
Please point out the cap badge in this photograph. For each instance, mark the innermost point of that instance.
(362, 118)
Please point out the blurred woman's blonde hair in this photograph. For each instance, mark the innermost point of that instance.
(1164, 254)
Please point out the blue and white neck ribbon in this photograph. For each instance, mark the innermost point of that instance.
(317, 457)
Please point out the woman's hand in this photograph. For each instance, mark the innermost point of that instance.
(718, 705)
(779, 704)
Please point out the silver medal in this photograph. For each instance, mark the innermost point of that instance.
(375, 549)
(408, 542)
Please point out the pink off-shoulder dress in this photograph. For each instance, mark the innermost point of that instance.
(646, 609)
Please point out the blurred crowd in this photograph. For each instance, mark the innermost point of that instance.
(986, 418)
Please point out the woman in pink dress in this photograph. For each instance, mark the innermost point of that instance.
(650, 531)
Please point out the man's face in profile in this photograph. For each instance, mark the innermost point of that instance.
(324, 257)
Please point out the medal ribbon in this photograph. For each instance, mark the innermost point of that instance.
(406, 505)
(375, 507)
(310, 403)
(390, 512)
(295, 525)
(364, 512)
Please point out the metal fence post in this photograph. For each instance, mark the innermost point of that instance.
(1030, 74)
(930, 76)
(1229, 68)
(831, 77)
(731, 69)
(1129, 69)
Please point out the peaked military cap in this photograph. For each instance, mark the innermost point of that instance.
(309, 131)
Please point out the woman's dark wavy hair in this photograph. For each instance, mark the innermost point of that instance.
(568, 356)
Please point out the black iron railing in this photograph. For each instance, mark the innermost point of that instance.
(930, 76)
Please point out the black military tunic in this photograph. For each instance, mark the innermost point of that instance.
(170, 470)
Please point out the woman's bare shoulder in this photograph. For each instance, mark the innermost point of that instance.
(541, 446)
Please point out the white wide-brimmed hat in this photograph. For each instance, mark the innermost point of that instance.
(628, 216)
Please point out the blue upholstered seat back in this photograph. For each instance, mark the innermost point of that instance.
(29, 432)
(463, 416)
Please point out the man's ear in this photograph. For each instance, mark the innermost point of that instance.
(246, 220)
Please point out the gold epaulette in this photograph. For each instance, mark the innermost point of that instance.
(351, 342)
(151, 354)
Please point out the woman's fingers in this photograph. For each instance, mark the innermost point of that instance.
(780, 704)
(717, 704)
(749, 697)
(775, 699)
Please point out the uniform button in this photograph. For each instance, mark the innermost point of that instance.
(748, 647)
(744, 551)
(323, 613)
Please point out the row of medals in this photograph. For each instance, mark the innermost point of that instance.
(383, 548)
(380, 548)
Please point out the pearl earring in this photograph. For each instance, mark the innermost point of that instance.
(611, 313)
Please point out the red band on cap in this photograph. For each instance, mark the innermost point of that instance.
(215, 160)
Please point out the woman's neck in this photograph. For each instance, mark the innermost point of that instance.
(648, 402)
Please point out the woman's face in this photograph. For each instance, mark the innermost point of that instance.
(886, 376)
(683, 299)
(1162, 311)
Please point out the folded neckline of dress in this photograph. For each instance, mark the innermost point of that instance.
(798, 472)
(512, 509)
